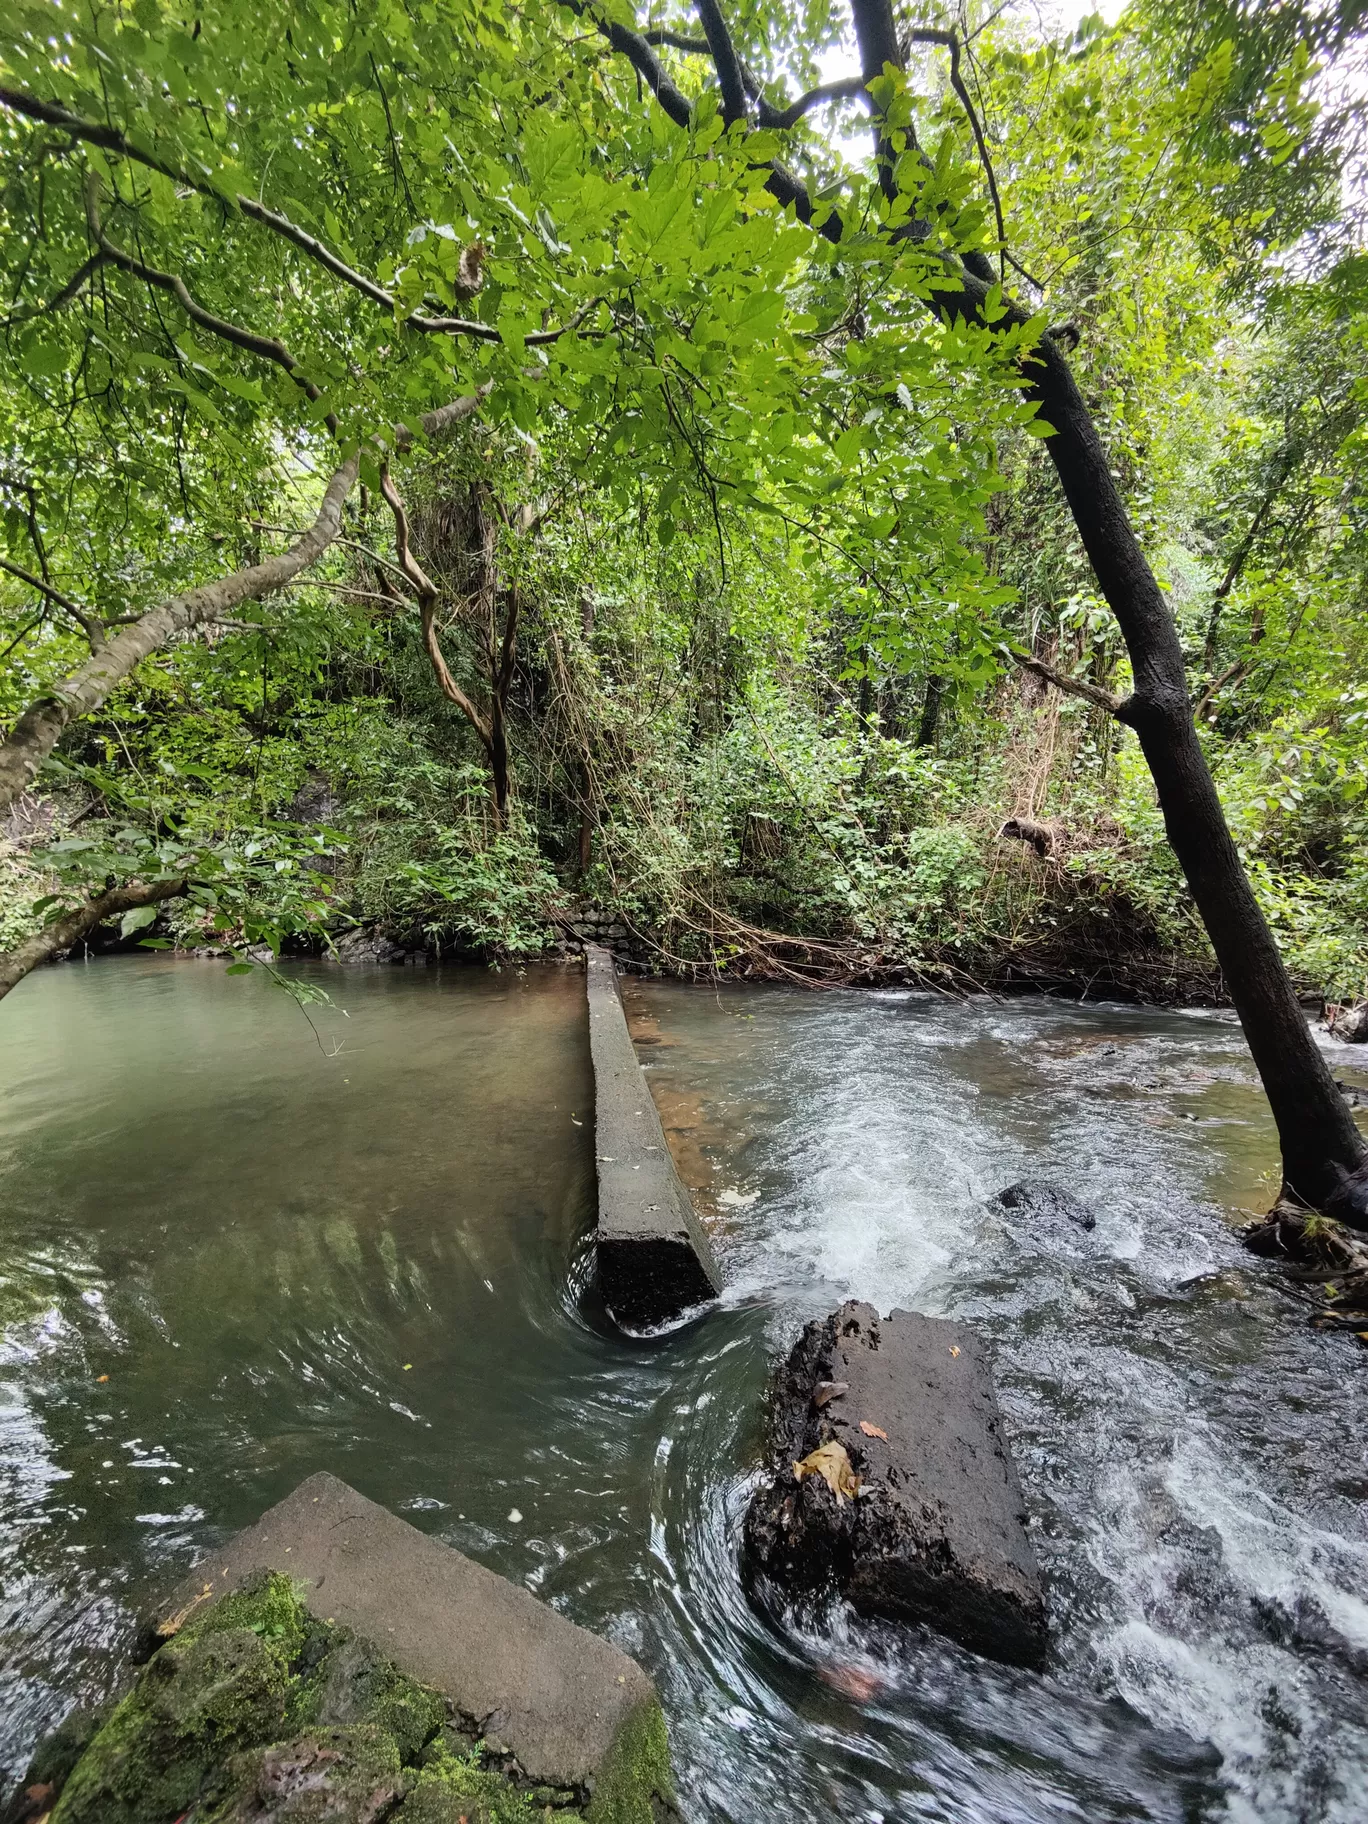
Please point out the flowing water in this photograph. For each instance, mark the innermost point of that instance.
(234, 1250)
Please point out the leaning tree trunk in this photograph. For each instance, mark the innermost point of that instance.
(1319, 1140)
(1317, 1133)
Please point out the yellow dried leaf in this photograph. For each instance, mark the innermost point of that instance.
(954, 1348)
(873, 1431)
(830, 1462)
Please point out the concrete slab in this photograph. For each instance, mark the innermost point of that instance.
(654, 1260)
(930, 1524)
(534, 1685)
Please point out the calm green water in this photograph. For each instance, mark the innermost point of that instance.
(363, 1251)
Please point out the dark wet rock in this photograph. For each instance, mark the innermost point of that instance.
(1349, 1024)
(365, 946)
(354, 1683)
(654, 1261)
(1048, 1202)
(936, 1531)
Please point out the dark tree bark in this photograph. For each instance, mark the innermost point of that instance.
(1320, 1143)
(929, 726)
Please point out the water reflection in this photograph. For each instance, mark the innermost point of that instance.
(363, 1251)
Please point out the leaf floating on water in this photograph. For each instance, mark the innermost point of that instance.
(830, 1462)
(873, 1431)
(828, 1390)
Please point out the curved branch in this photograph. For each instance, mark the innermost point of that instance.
(698, 47)
(849, 88)
(90, 624)
(112, 139)
(725, 61)
(426, 591)
(1073, 687)
(925, 35)
(72, 926)
(266, 348)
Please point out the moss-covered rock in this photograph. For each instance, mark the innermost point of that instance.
(460, 1789)
(353, 1682)
(635, 1785)
(256, 1712)
(323, 1776)
(198, 1702)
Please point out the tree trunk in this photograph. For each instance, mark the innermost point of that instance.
(1316, 1131)
(498, 759)
(931, 709)
(1320, 1142)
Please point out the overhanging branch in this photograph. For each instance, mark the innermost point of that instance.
(72, 926)
(1073, 687)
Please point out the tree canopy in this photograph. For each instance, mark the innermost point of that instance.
(458, 459)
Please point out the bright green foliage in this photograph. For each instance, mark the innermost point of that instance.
(788, 528)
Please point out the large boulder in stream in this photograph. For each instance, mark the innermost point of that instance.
(892, 1483)
(332, 1665)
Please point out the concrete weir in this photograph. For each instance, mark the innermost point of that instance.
(654, 1260)
(563, 1702)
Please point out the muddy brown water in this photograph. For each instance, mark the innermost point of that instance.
(234, 1251)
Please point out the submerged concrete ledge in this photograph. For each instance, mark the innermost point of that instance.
(654, 1260)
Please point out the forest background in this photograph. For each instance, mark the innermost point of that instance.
(740, 599)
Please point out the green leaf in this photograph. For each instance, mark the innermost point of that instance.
(137, 919)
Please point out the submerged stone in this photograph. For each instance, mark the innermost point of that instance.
(892, 1483)
(1047, 1201)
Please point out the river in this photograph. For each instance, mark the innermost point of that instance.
(241, 1243)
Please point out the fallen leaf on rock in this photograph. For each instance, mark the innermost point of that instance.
(830, 1462)
(954, 1348)
(828, 1390)
(873, 1431)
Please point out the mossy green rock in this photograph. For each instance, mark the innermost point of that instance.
(453, 1788)
(323, 1776)
(354, 1683)
(196, 1704)
(255, 1712)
